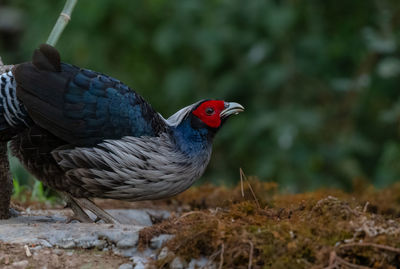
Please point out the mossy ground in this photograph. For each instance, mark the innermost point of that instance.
(268, 229)
(321, 229)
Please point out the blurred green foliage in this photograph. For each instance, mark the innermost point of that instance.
(319, 79)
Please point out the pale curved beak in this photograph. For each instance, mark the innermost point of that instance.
(231, 108)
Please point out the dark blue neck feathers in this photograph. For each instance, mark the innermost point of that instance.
(192, 140)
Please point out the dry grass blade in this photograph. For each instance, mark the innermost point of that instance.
(221, 257)
(365, 207)
(188, 214)
(243, 176)
(251, 254)
(241, 181)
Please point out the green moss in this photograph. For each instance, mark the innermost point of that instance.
(288, 231)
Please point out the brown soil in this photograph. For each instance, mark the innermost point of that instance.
(14, 256)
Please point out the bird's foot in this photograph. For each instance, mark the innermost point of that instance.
(100, 213)
(79, 214)
(80, 218)
(78, 204)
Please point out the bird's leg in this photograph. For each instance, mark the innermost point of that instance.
(6, 185)
(100, 213)
(79, 213)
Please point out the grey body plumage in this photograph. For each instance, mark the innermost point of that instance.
(132, 168)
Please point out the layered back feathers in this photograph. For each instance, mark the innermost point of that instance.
(80, 106)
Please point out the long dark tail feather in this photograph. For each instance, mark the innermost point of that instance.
(47, 58)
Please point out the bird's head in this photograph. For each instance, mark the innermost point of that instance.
(207, 115)
(213, 113)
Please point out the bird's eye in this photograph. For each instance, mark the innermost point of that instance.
(209, 111)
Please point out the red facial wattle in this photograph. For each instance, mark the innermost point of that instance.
(213, 120)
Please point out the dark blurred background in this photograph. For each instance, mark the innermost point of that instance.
(319, 79)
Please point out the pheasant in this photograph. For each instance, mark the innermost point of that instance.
(88, 135)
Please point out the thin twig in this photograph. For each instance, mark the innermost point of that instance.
(62, 22)
(388, 248)
(335, 261)
(349, 264)
(28, 252)
(242, 175)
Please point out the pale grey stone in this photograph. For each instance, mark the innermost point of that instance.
(20, 264)
(158, 241)
(177, 263)
(126, 266)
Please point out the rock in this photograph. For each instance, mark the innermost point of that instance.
(141, 259)
(158, 241)
(126, 266)
(128, 241)
(36, 248)
(177, 263)
(140, 265)
(138, 217)
(48, 229)
(20, 264)
(58, 252)
(119, 238)
(69, 243)
(201, 263)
